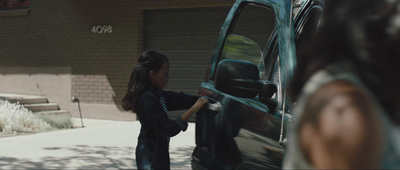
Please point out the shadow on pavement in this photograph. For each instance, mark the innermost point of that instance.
(180, 157)
(93, 157)
(85, 157)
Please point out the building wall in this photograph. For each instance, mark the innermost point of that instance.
(60, 34)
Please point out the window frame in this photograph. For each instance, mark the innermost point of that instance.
(233, 24)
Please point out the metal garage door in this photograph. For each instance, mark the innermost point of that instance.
(188, 37)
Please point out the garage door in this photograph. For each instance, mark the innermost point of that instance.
(188, 37)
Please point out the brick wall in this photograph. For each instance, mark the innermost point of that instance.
(92, 88)
(59, 34)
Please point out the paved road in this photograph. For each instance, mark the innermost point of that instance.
(101, 144)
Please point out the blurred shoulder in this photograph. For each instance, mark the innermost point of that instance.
(148, 95)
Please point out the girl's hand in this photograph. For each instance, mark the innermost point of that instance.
(194, 109)
(199, 104)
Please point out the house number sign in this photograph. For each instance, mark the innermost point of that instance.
(102, 29)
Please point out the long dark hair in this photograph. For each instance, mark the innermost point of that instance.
(140, 79)
(365, 33)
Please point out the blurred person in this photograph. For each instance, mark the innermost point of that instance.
(146, 97)
(346, 90)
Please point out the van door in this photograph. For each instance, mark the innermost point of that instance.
(246, 131)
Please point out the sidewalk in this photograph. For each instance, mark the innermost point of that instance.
(101, 144)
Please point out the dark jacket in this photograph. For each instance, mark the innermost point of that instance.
(156, 128)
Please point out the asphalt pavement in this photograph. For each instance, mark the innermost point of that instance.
(101, 144)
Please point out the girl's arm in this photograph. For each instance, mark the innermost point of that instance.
(194, 109)
(179, 101)
(152, 112)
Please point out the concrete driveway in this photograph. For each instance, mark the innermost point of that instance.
(101, 144)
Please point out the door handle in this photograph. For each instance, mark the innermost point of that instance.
(212, 106)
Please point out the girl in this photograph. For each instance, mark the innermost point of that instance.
(147, 98)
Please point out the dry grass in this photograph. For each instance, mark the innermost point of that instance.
(17, 120)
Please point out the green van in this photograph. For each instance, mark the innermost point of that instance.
(246, 83)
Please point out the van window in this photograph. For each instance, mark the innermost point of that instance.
(249, 34)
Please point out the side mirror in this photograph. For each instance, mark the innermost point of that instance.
(241, 78)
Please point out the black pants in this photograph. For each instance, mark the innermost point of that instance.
(152, 156)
